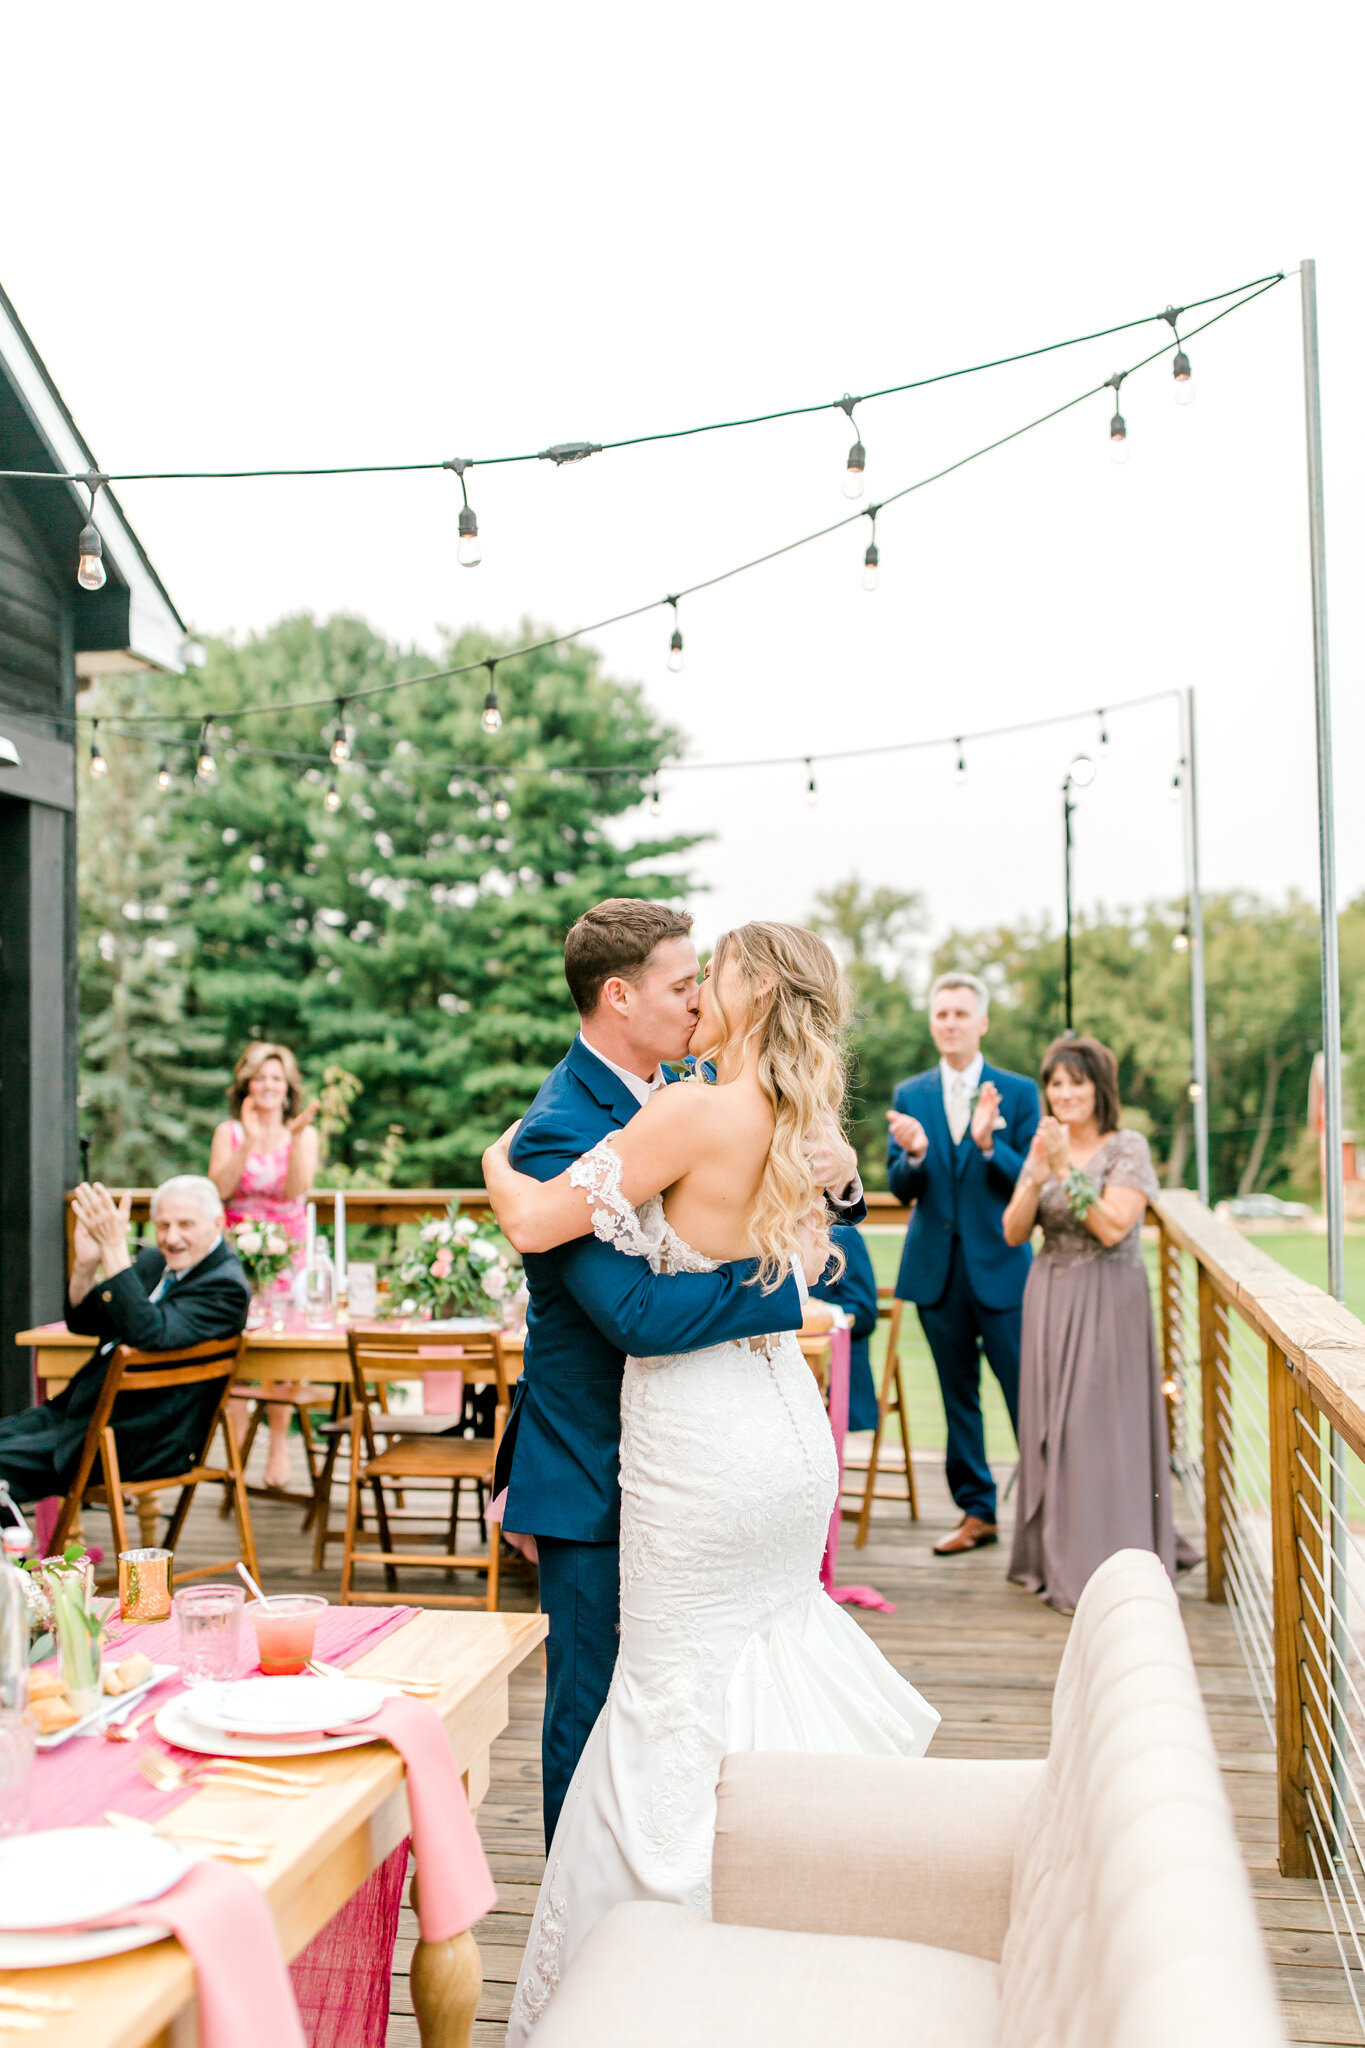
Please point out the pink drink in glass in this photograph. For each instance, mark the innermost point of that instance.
(285, 1627)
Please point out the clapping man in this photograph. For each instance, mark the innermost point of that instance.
(958, 1139)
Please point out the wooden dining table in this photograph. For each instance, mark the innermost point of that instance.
(325, 1847)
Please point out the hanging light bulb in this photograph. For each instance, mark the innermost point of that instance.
(1184, 382)
(492, 714)
(1174, 791)
(812, 793)
(675, 646)
(1196, 1091)
(1181, 942)
(1118, 439)
(1104, 735)
(960, 772)
(853, 473)
(205, 767)
(469, 553)
(341, 738)
(163, 777)
(655, 801)
(1082, 771)
(98, 765)
(90, 571)
(332, 800)
(502, 810)
(871, 572)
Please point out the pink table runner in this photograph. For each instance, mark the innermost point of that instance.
(341, 1980)
(840, 1355)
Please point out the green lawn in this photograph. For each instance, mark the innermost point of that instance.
(1303, 1253)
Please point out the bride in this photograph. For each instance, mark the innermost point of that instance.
(728, 1473)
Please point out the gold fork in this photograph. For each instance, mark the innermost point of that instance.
(160, 1772)
(420, 1688)
(240, 1848)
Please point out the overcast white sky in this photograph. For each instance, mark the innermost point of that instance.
(317, 234)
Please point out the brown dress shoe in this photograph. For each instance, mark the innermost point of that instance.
(971, 1533)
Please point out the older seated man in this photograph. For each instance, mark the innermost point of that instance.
(189, 1289)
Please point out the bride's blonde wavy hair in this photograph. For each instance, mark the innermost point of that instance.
(796, 1005)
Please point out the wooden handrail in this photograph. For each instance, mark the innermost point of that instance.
(409, 1205)
(1323, 1342)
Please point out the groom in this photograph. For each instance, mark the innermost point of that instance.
(632, 972)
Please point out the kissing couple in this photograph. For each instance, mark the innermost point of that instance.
(667, 1447)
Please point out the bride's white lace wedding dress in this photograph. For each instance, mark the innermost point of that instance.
(728, 1641)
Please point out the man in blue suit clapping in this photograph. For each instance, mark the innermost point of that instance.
(958, 1138)
(632, 971)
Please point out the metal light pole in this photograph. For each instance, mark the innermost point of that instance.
(1067, 808)
(1334, 1192)
(1199, 1036)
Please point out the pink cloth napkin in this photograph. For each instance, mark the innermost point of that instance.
(221, 1919)
(454, 1884)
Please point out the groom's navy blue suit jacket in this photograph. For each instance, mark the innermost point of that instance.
(959, 1193)
(591, 1305)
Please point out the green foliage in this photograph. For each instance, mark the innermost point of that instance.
(1132, 990)
(411, 941)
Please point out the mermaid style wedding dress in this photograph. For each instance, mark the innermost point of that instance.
(728, 1641)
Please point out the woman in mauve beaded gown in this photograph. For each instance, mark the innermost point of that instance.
(1094, 1461)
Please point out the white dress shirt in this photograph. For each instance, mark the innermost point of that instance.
(642, 1090)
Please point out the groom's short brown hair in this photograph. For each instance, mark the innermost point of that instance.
(616, 938)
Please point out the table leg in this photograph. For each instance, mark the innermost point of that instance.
(446, 1979)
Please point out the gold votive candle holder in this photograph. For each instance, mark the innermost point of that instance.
(144, 1585)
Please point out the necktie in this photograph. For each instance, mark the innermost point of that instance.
(959, 1111)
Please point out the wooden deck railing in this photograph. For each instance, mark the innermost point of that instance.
(1265, 1376)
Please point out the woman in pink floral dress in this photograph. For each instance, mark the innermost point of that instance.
(263, 1162)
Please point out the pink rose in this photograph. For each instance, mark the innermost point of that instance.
(442, 1263)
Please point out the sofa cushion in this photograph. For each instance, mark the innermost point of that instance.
(1131, 1918)
(672, 1979)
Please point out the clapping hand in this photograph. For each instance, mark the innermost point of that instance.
(1036, 1168)
(985, 1115)
(101, 1226)
(1056, 1142)
(296, 1124)
(908, 1132)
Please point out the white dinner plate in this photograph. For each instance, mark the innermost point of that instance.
(285, 1706)
(64, 1875)
(50, 1951)
(112, 1705)
(174, 1724)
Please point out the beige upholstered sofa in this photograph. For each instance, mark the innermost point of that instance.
(1097, 1900)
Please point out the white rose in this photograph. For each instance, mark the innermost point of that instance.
(249, 1241)
(483, 1251)
(466, 1227)
(276, 1245)
(444, 1233)
(432, 1230)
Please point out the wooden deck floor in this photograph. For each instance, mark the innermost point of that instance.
(983, 1651)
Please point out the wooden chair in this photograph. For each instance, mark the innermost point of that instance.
(133, 1374)
(420, 1458)
(891, 1401)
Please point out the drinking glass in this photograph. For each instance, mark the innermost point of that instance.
(16, 1770)
(208, 1621)
(144, 1585)
(285, 1627)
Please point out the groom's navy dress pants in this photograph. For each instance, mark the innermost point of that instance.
(580, 1593)
(959, 1328)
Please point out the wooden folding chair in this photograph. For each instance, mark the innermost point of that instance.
(137, 1373)
(891, 1401)
(421, 1458)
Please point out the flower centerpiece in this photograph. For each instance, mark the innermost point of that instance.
(266, 1253)
(456, 1268)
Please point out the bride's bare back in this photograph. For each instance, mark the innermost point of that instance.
(713, 1143)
